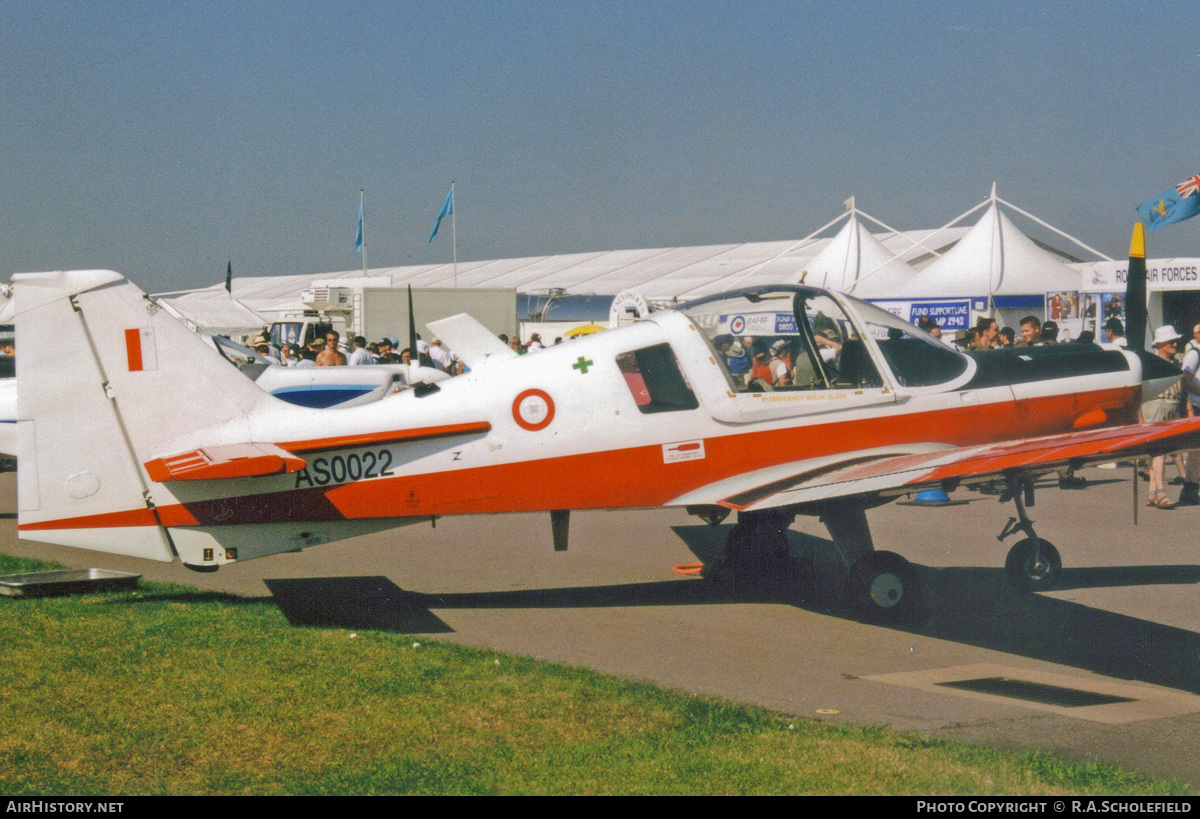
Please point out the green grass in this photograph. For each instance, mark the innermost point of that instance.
(169, 690)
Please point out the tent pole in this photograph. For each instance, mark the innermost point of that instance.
(779, 255)
(1054, 229)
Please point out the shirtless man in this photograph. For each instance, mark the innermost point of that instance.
(331, 356)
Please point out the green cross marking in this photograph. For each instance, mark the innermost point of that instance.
(582, 365)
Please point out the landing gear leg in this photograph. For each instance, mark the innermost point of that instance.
(1032, 564)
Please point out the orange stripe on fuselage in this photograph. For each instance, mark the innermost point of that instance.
(637, 476)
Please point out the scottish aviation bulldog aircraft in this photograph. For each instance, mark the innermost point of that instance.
(147, 444)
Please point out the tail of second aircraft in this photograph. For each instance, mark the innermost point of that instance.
(106, 378)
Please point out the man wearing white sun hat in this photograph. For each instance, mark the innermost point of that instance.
(1163, 407)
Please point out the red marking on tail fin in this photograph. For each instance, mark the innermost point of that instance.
(133, 349)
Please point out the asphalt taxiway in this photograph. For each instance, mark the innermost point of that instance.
(1107, 666)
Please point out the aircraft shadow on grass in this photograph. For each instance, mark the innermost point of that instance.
(973, 606)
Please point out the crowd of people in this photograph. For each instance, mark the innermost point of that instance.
(330, 351)
(988, 335)
(775, 362)
(1181, 400)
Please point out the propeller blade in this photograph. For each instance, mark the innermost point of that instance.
(1135, 291)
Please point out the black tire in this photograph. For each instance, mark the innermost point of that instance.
(883, 588)
(1033, 569)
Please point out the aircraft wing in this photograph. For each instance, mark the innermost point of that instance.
(886, 474)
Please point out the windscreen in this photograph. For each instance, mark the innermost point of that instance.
(786, 340)
(915, 358)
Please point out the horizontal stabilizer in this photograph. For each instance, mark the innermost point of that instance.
(229, 461)
(390, 437)
(471, 341)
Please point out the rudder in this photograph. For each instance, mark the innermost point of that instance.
(105, 379)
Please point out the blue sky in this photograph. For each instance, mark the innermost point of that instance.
(161, 138)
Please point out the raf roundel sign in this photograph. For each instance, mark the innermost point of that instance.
(533, 410)
(736, 325)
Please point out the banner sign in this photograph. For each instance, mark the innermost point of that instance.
(951, 316)
(1161, 274)
(758, 324)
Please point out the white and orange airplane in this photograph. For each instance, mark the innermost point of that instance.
(146, 443)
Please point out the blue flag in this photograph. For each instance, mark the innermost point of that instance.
(358, 238)
(447, 209)
(1183, 202)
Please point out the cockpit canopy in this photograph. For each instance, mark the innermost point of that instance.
(803, 338)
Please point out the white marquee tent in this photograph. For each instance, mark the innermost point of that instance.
(992, 258)
(854, 261)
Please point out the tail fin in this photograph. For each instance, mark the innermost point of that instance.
(105, 379)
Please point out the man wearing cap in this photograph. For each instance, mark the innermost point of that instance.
(1162, 407)
(387, 353)
(735, 357)
(263, 347)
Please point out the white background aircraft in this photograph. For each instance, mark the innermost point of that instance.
(148, 444)
(324, 387)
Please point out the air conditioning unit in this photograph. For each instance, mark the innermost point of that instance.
(327, 298)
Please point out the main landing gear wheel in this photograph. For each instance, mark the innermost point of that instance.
(883, 587)
(1033, 565)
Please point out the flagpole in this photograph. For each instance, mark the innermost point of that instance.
(362, 213)
(454, 232)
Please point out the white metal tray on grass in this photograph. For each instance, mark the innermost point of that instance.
(66, 581)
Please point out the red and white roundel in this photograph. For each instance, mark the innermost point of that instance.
(533, 410)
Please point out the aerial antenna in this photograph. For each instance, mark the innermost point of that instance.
(414, 359)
